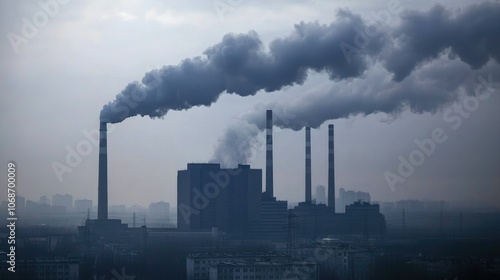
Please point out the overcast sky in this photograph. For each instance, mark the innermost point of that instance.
(56, 78)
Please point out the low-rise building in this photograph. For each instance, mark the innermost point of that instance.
(264, 270)
(198, 265)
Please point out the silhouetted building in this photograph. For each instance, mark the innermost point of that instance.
(360, 219)
(313, 220)
(349, 197)
(273, 223)
(208, 196)
(365, 219)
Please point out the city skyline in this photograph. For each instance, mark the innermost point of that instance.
(59, 114)
(245, 139)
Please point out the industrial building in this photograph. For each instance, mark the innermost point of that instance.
(338, 259)
(210, 196)
(102, 228)
(223, 208)
(316, 220)
(231, 200)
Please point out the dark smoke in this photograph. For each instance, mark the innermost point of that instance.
(473, 35)
(426, 76)
(424, 91)
(240, 65)
(422, 64)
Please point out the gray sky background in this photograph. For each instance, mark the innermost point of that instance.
(54, 87)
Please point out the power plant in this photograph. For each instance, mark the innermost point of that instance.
(223, 207)
(231, 201)
(263, 216)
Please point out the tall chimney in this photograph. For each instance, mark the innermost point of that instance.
(269, 154)
(102, 196)
(331, 169)
(308, 165)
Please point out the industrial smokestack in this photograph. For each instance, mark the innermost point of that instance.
(102, 197)
(331, 169)
(269, 154)
(308, 165)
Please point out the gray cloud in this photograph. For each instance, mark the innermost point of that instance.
(240, 65)
(473, 35)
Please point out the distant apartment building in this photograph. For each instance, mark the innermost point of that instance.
(198, 265)
(44, 200)
(349, 197)
(320, 194)
(159, 208)
(65, 201)
(264, 270)
(20, 202)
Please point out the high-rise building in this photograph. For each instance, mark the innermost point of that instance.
(209, 196)
(320, 194)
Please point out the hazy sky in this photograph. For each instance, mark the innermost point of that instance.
(56, 78)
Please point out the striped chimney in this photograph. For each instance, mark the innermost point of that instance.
(308, 165)
(102, 195)
(269, 154)
(331, 168)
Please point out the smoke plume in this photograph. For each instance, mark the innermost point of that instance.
(421, 64)
(240, 65)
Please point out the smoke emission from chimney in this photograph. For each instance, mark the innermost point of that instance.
(239, 64)
(419, 64)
